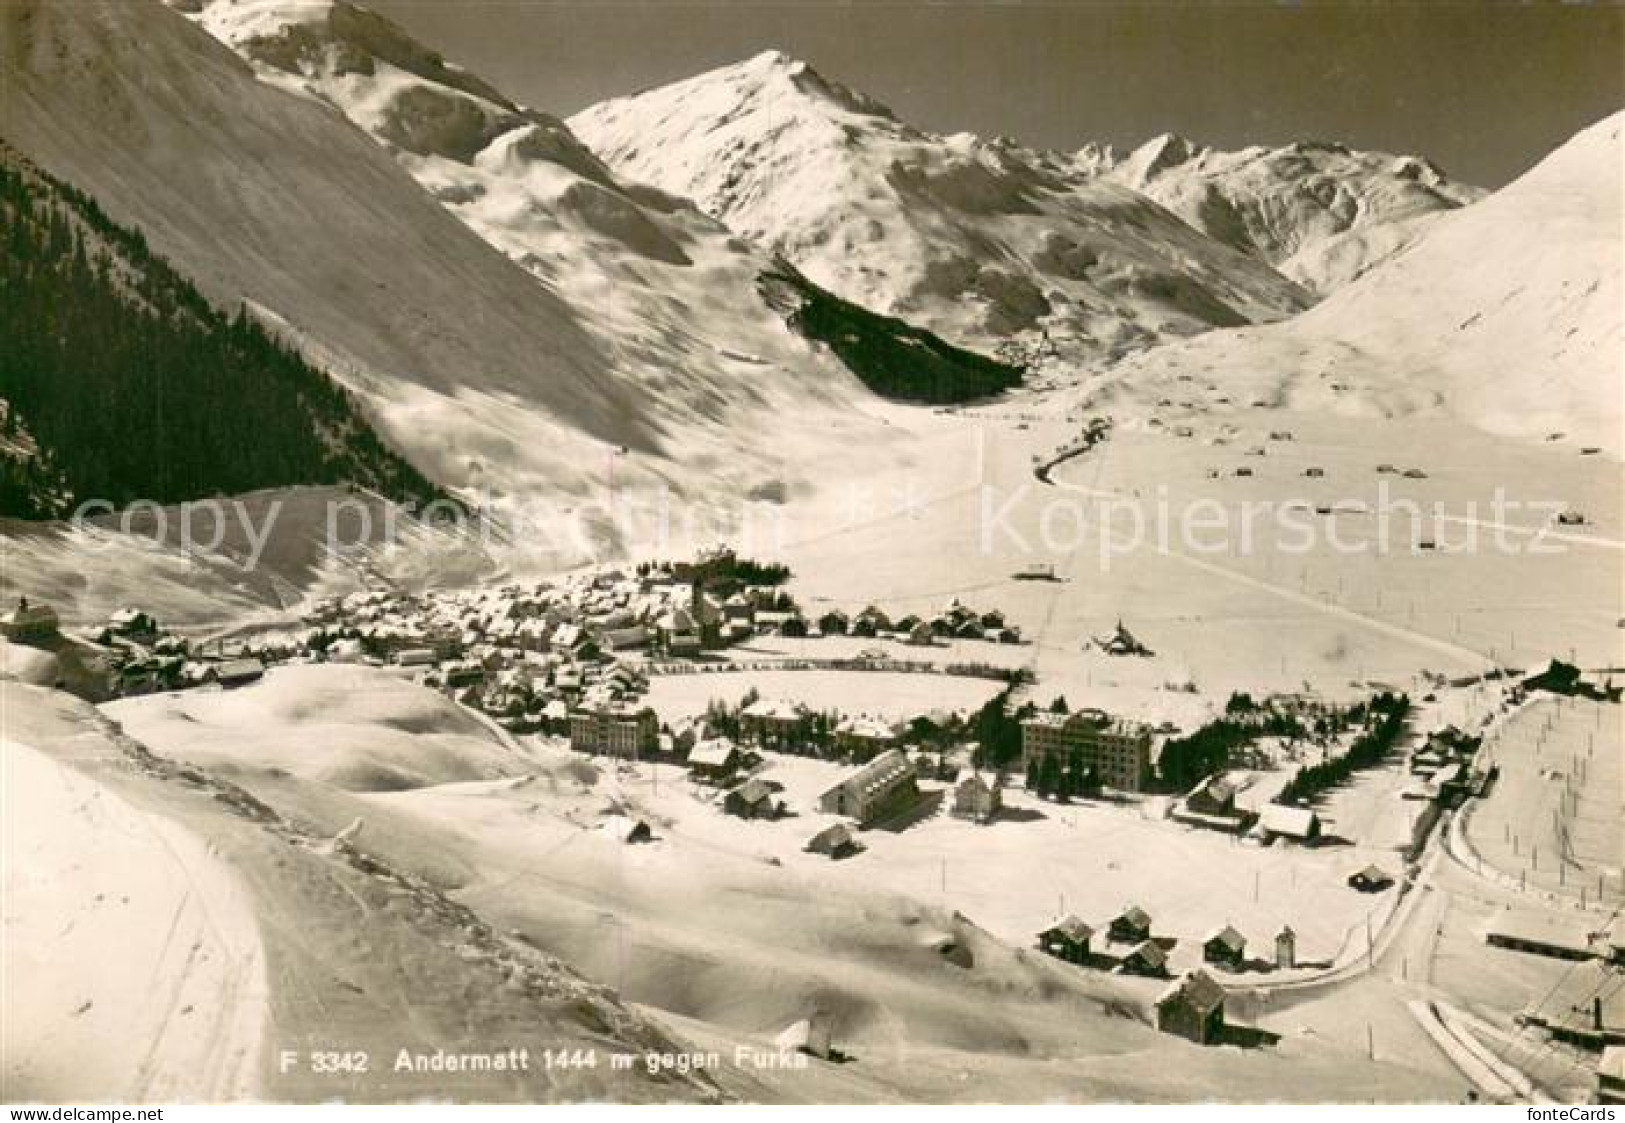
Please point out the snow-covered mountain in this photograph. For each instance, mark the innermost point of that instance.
(673, 293)
(1507, 312)
(977, 240)
(1319, 212)
(272, 200)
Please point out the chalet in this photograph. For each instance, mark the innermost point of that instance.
(30, 623)
(132, 623)
(977, 800)
(1225, 947)
(238, 672)
(446, 643)
(1131, 926)
(837, 841)
(773, 723)
(1371, 879)
(1067, 939)
(1286, 948)
(1122, 642)
(776, 621)
(1193, 1008)
(1297, 824)
(1148, 959)
(809, 1035)
(738, 608)
(678, 632)
(862, 739)
(709, 619)
(752, 800)
(885, 784)
(415, 657)
(555, 716)
(920, 635)
(715, 761)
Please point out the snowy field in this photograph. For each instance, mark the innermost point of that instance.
(133, 965)
(1088, 858)
(1555, 818)
(1268, 616)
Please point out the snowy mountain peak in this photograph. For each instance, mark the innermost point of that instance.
(779, 80)
(978, 240)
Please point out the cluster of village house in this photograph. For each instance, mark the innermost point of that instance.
(542, 657)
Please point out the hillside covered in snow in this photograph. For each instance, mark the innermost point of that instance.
(980, 241)
(1506, 313)
(513, 320)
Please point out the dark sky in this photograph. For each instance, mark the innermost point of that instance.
(1483, 89)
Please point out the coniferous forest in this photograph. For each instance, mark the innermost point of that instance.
(133, 386)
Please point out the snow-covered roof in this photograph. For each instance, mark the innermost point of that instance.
(1294, 822)
(1150, 953)
(1072, 928)
(712, 753)
(776, 709)
(868, 728)
(1136, 916)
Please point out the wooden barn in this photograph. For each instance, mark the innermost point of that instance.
(1193, 1008)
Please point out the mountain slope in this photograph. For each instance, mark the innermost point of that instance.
(275, 201)
(979, 241)
(278, 203)
(1507, 312)
(120, 368)
(1320, 213)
